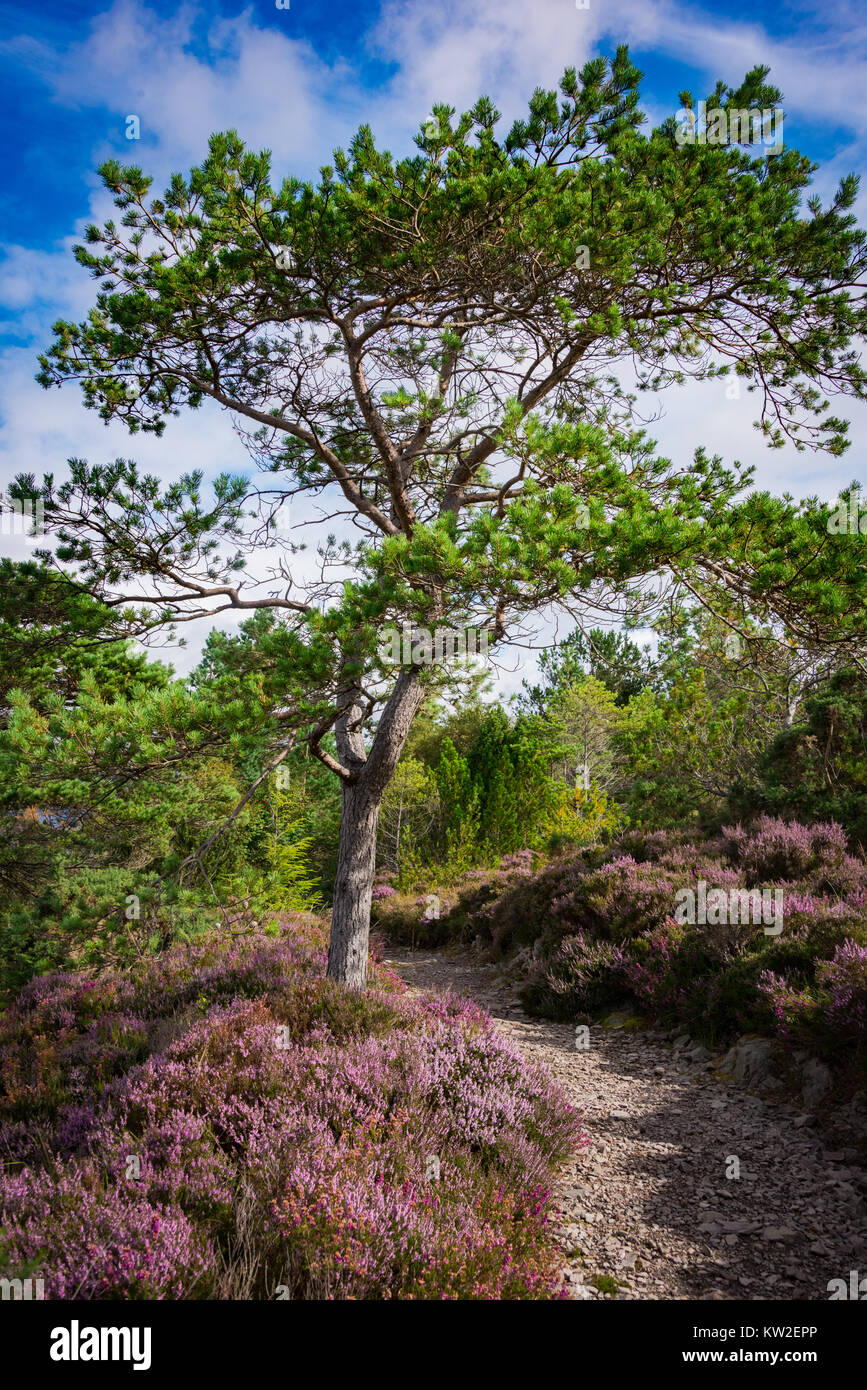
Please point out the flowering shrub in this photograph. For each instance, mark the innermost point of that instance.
(598, 893)
(656, 845)
(407, 919)
(793, 1009)
(226, 1120)
(90, 1245)
(521, 862)
(830, 1016)
(607, 936)
(580, 976)
(845, 980)
(771, 850)
(359, 1224)
(655, 970)
(510, 906)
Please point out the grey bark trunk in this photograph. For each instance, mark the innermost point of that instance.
(353, 886)
(362, 797)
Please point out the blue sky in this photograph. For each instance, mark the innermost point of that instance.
(299, 81)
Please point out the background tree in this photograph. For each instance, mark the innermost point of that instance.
(581, 722)
(816, 767)
(459, 808)
(609, 656)
(52, 633)
(432, 343)
(409, 810)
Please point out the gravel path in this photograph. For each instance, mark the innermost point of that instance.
(647, 1211)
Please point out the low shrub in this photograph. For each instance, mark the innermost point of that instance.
(612, 938)
(580, 976)
(224, 1121)
(816, 856)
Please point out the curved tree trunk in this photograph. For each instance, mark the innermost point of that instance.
(363, 788)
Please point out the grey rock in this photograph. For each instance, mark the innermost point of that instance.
(618, 1018)
(753, 1061)
(817, 1081)
(770, 1083)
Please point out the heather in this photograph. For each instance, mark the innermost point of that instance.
(449, 907)
(605, 929)
(719, 979)
(223, 1121)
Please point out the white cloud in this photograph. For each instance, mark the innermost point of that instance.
(271, 86)
(453, 52)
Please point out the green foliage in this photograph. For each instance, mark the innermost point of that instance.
(408, 816)
(239, 285)
(113, 776)
(53, 635)
(816, 769)
(580, 723)
(459, 808)
(607, 655)
(289, 884)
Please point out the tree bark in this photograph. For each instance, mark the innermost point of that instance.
(353, 888)
(363, 789)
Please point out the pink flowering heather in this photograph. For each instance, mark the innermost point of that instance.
(845, 979)
(361, 1222)
(382, 890)
(520, 862)
(831, 1016)
(793, 1009)
(772, 850)
(225, 1107)
(93, 1242)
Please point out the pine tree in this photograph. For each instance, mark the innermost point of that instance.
(433, 342)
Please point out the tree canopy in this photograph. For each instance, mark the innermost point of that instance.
(432, 349)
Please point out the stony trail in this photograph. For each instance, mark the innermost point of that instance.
(647, 1210)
